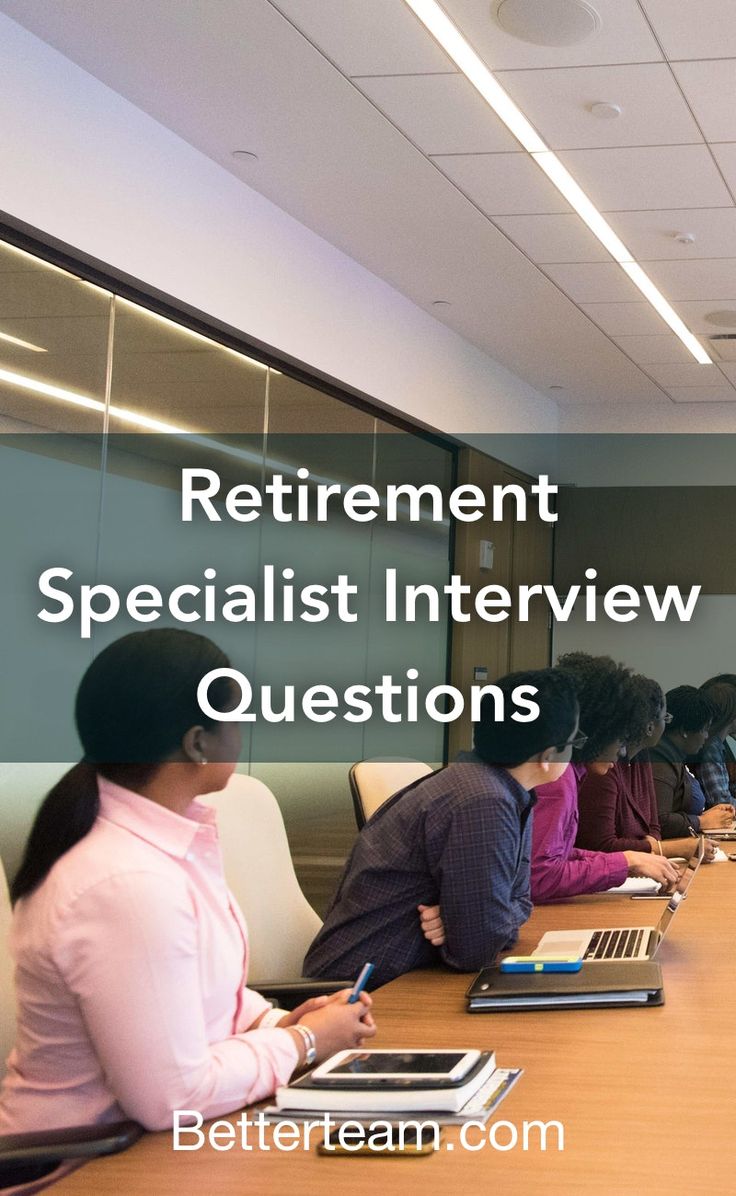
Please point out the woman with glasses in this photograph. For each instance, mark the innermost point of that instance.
(559, 867)
(618, 808)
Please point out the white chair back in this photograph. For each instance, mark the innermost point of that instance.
(260, 873)
(372, 782)
(7, 987)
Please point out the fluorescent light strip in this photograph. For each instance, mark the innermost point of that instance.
(473, 67)
(15, 340)
(436, 21)
(156, 425)
(660, 305)
(199, 336)
(70, 396)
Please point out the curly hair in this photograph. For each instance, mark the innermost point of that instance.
(647, 700)
(605, 697)
(691, 709)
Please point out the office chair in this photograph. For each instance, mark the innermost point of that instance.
(260, 874)
(372, 782)
(28, 1159)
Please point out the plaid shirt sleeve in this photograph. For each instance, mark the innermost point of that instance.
(713, 775)
(483, 869)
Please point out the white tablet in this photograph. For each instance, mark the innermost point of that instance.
(404, 1067)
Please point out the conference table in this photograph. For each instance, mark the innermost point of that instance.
(645, 1096)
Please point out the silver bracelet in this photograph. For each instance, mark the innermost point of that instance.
(310, 1043)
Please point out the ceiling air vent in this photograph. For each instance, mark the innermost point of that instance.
(724, 345)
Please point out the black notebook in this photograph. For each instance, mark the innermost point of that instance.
(596, 985)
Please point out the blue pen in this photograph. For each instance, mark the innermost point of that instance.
(360, 983)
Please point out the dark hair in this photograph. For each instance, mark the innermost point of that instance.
(134, 705)
(646, 702)
(511, 743)
(722, 697)
(721, 679)
(604, 693)
(690, 708)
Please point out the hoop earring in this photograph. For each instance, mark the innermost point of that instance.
(202, 760)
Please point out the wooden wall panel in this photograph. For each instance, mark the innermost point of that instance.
(654, 535)
(522, 553)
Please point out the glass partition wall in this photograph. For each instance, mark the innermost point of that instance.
(102, 402)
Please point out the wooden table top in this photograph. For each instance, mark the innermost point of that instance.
(646, 1096)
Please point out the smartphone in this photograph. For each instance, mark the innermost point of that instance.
(408, 1139)
(396, 1068)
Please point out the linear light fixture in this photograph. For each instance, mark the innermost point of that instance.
(15, 340)
(197, 336)
(449, 37)
(36, 386)
(70, 396)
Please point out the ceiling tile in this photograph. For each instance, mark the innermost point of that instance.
(725, 156)
(654, 350)
(694, 314)
(729, 369)
(558, 102)
(707, 278)
(710, 88)
(624, 36)
(691, 374)
(599, 282)
(706, 394)
(651, 235)
(502, 183)
(679, 176)
(442, 114)
(626, 319)
(707, 30)
(561, 238)
(380, 38)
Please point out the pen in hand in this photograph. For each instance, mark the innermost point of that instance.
(360, 983)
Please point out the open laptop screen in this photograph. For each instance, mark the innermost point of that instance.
(681, 889)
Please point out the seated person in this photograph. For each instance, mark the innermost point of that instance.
(460, 837)
(683, 739)
(711, 767)
(131, 955)
(618, 810)
(729, 743)
(559, 868)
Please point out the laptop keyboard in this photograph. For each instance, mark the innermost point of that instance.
(615, 944)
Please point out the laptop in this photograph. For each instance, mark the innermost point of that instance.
(621, 942)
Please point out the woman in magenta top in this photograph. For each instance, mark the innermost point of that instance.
(131, 955)
(559, 867)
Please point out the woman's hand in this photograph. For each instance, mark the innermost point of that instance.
(716, 818)
(296, 1015)
(338, 1026)
(656, 867)
(432, 926)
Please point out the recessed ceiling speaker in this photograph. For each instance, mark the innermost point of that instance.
(722, 319)
(547, 22)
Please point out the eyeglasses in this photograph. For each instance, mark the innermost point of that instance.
(576, 743)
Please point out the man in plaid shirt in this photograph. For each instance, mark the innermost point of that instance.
(712, 770)
(461, 838)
